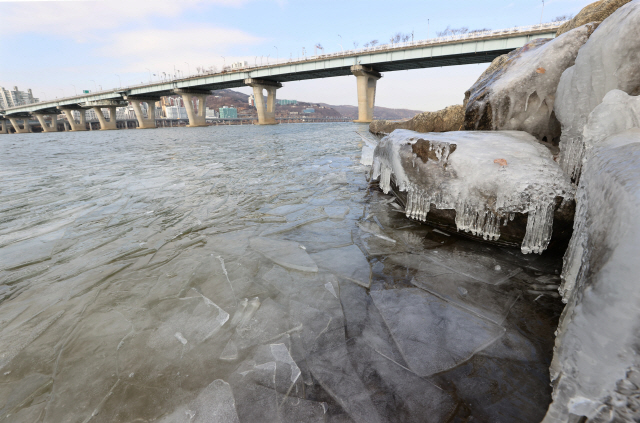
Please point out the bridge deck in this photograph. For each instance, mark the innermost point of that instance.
(448, 51)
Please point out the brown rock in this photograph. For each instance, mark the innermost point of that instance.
(447, 119)
(595, 12)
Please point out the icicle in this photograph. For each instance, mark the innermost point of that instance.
(539, 228)
(385, 179)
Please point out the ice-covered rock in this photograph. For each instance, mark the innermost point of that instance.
(448, 119)
(596, 356)
(486, 177)
(518, 91)
(594, 12)
(617, 113)
(609, 60)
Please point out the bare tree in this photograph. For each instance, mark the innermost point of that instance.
(366, 45)
(562, 18)
(373, 43)
(406, 38)
(452, 31)
(474, 31)
(355, 44)
(396, 37)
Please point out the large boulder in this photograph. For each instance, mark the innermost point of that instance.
(609, 60)
(596, 364)
(448, 119)
(595, 12)
(518, 90)
(479, 180)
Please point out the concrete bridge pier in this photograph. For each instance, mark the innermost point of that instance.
(52, 127)
(71, 120)
(144, 122)
(367, 79)
(199, 117)
(266, 114)
(3, 128)
(25, 126)
(150, 120)
(106, 125)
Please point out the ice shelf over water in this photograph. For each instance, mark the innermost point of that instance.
(608, 60)
(485, 177)
(155, 276)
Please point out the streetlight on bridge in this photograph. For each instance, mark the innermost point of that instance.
(94, 84)
(276, 53)
(149, 73)
(119, 79)
(188, 68)
(340, 43)
(74, 89)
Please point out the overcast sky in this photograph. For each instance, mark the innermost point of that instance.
(50, 46)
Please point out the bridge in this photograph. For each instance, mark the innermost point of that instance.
(366, 64)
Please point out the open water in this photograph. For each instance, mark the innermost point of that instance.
(251, 274)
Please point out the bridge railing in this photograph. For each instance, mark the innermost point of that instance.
(345, 53)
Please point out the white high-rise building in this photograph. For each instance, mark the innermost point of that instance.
(15, 97)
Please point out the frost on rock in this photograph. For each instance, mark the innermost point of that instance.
(485, 177)
(609, 60)
(597, 339)
(517, 92)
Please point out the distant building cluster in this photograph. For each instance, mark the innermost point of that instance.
(15, 97)
(287, 102)
(228, 112)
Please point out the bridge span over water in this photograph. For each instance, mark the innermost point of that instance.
(367, 65)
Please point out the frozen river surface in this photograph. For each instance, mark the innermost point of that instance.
(249, 274)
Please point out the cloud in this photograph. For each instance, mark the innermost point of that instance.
(87, 19)
(162, 48)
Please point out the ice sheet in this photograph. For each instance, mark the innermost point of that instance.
(450, 334)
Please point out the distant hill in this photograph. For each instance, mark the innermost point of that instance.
(239, 100)
(378, 112)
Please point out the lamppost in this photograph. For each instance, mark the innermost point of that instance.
(45, 95)
(340, 43)
(224, 62)
(188, 68)
(119, 79)
(74, 89)
(276, 53)
(149, 70)
(542, 11)
(94, 84)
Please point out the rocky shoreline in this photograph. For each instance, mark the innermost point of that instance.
(548, 129)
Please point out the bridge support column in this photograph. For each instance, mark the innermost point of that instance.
(25, 126)
(106, 125)
(3, 128)
(71, 120)
(53, 127)
(198, 118)
(367, 79)
(266, 114)
(144, 122)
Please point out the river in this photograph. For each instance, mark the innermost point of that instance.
(251, 274)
